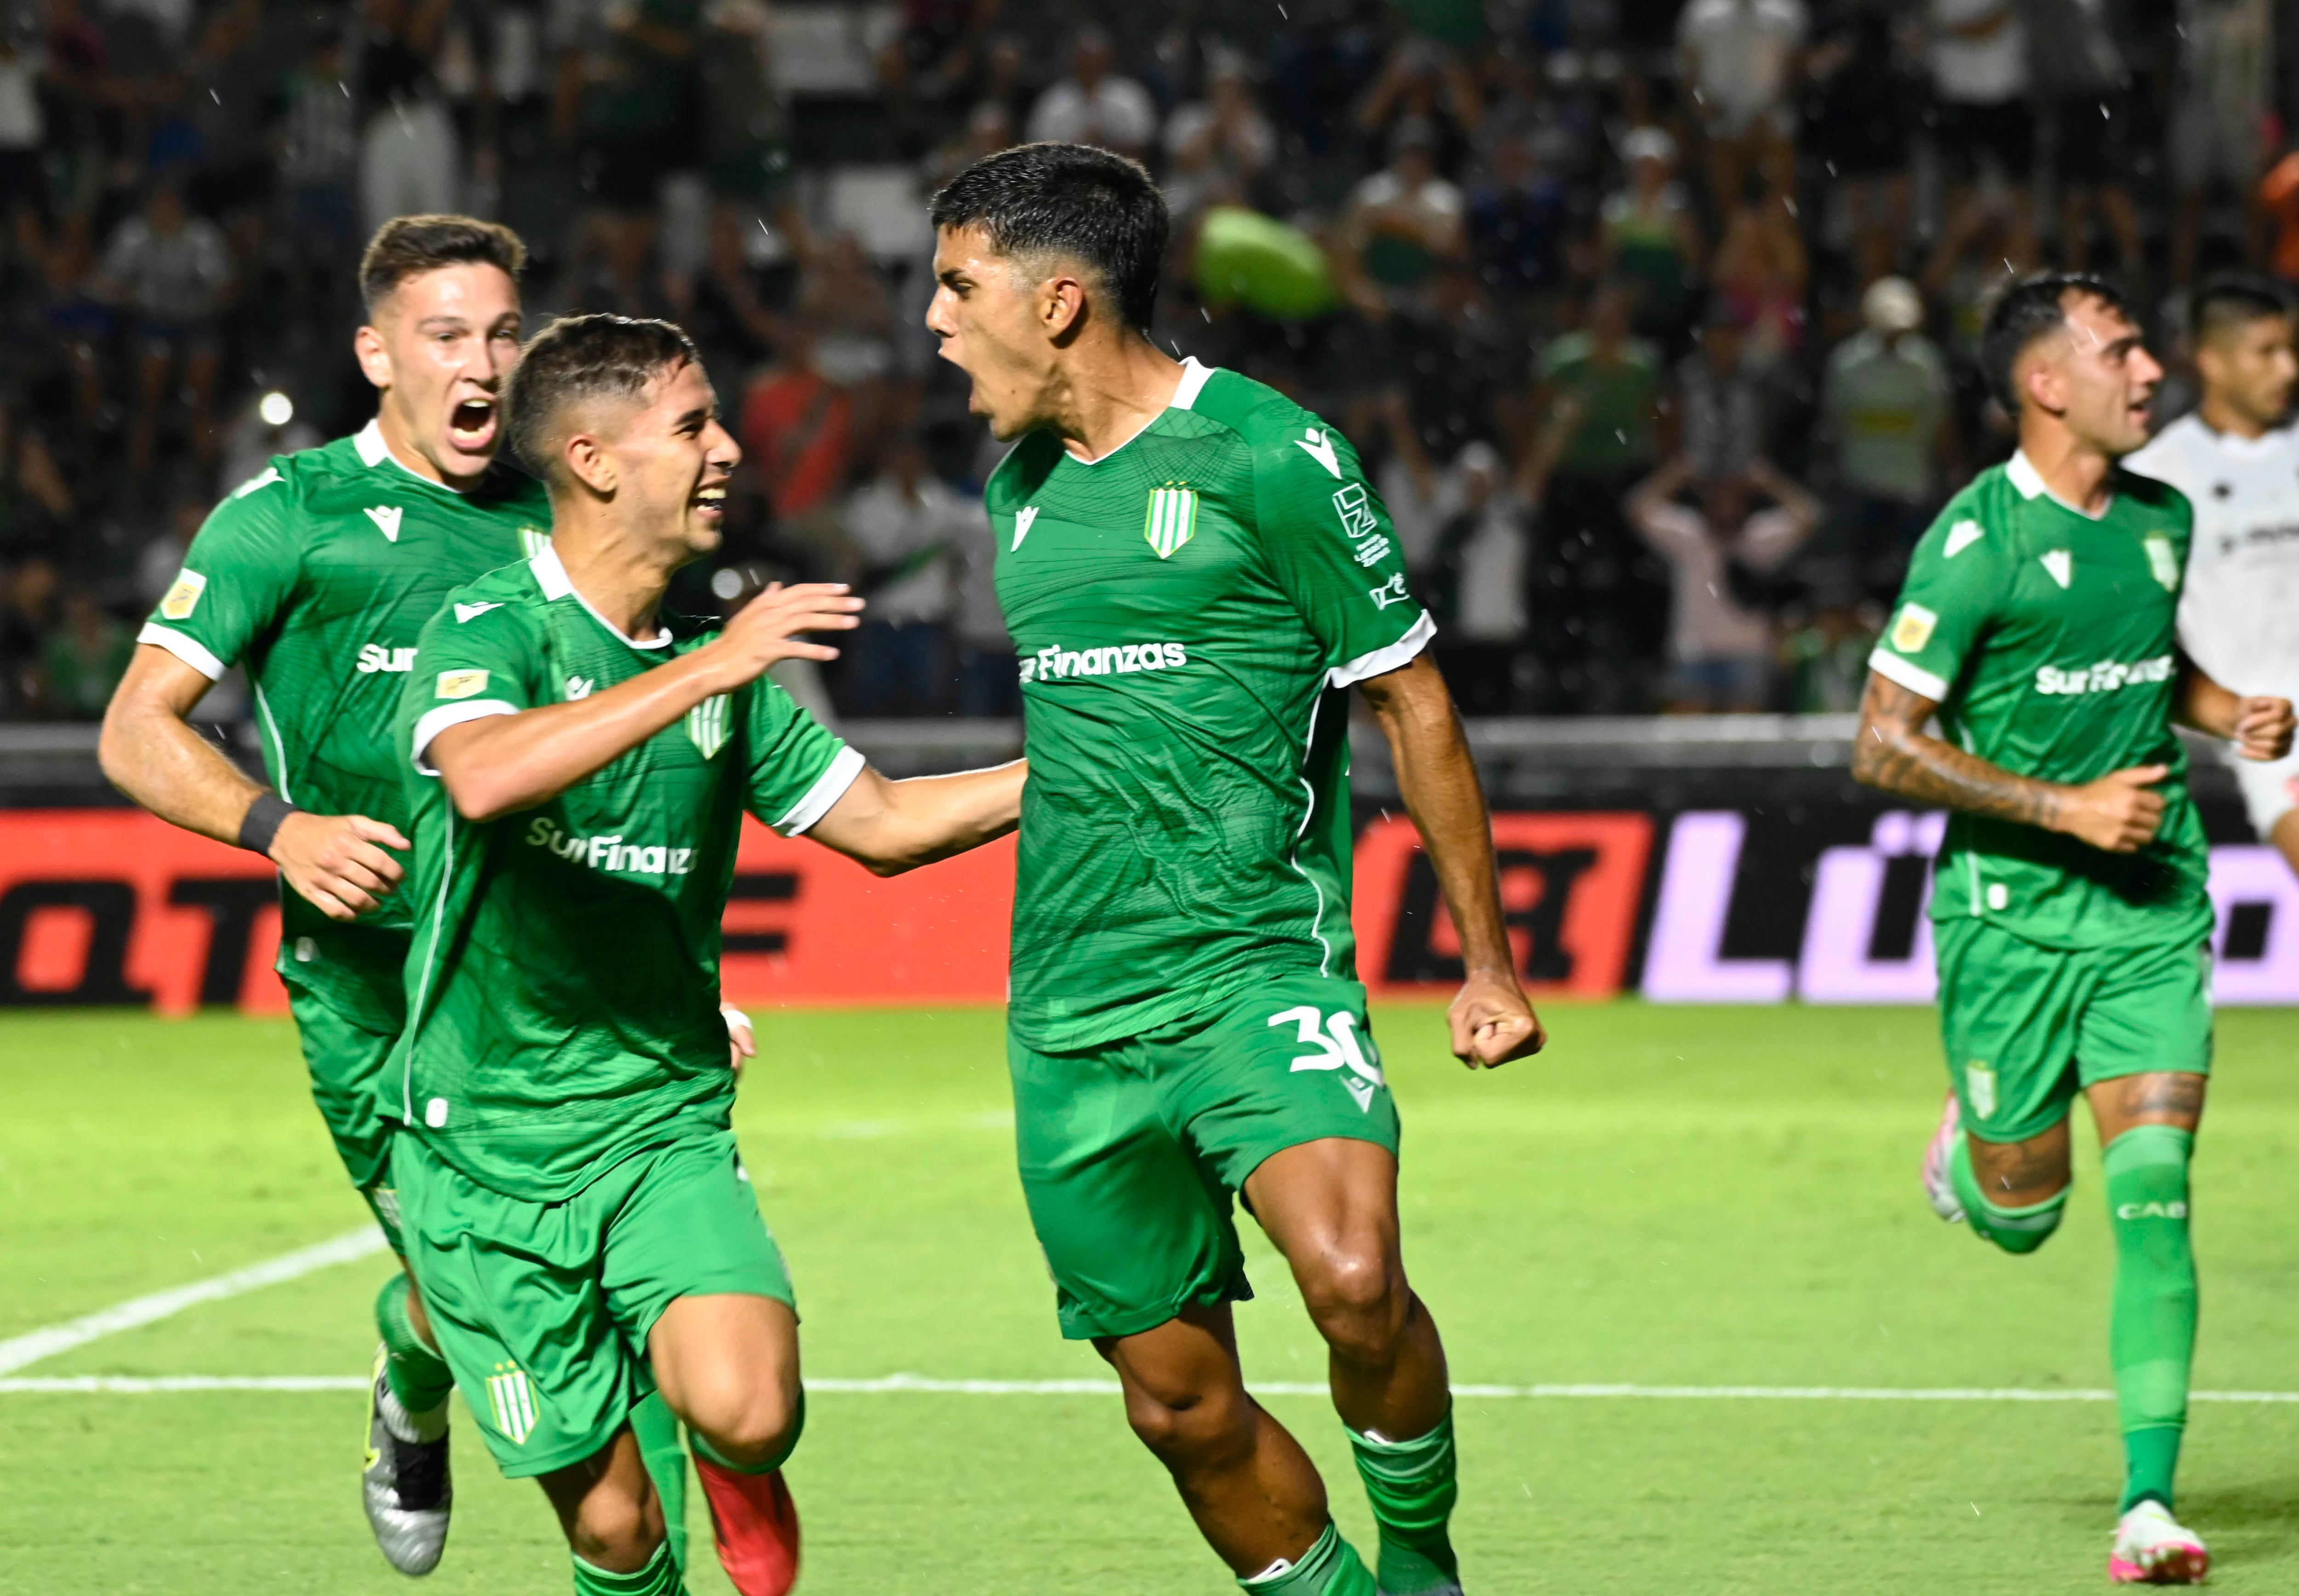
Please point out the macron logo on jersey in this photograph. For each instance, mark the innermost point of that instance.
(1319, 447)
(1022, 519)
(1962, 535)
(2061, 564)
(465, 612)
(385, 517)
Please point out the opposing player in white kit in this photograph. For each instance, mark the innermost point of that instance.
(2236, 459)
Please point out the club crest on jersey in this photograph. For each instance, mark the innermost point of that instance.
(533, 541)
(385, 517)
(1979, 1087)
(184, 597)
(2162, 560)
(513, 1401)
(1171, 521)
(709, 723)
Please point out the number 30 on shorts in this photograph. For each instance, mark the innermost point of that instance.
(1338, 1046)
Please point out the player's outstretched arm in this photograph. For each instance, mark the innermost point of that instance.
(150, 752)
(889, 827)
(506, 762)
(1491, 1021)
(2118, 813)
(2260, 727)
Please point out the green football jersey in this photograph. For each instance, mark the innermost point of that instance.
(562, 991)
(2046, 638)
(1187, 609)
(317, 573)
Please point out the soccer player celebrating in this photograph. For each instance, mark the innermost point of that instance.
(2237, 462)
(1195, 570)
(2072, 923)
(575, 1208)
(317, 574)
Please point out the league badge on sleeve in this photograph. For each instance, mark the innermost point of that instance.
(184, 597)
(1913, 629)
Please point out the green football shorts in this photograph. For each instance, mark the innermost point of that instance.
(542, 1309)
(1130, 1151)
(2027, 1027)
(344, 1060)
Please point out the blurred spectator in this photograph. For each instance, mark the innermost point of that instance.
(1481, 549)
(1737, 61)
(83, 658)
(36, 502)
(24, 121)
(2219, 112)
(907, 526)
(1977, 51)
(318, 141)
(744, 139)
(1720, 639)
(27, 613)
(1216, 148)
(936, 56)
(1094, 106)
(1759, 274)
(409, 159)
(2080, 73)
(1720, 404)
(1599, 405)
(1518, 214)
(797, 432)
(1652, 240)
(162, 559)
(987, 684)
(1887, 419)
(1827, 658)
(1858, 124)
(171, 270)
(849, 311)
(1402, 224)
(2279, 196)
(1430, 88)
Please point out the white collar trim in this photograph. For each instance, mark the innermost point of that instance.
(551, 576)
(374, 451)
(1193, 381)
(2021, 472)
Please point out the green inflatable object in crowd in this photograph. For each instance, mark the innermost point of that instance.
(1245, 258)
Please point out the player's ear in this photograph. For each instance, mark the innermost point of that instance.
(2043, 383)
(374, 355)
(1061, 308)
(589, 463)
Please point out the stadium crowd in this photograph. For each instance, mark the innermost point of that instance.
(1655, 320)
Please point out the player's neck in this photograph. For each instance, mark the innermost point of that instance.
(2075, 472)
(2224, 419)
(399, 439)
(1103, 400)
(622, 582)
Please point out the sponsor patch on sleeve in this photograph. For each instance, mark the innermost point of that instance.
(184, 597)
(461, 684)
(1913, 629)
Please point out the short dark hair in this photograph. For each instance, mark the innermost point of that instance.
(1063, 199)
(2235, 299)
(584, 357)
(2032, 310)
(408, 246)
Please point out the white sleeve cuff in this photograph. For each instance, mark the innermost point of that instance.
(452, 714)
(191, 651)
(1381, 661)
(827, 790)
(1913, 677)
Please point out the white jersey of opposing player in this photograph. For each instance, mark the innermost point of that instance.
(2239, 611)
(2239, 608)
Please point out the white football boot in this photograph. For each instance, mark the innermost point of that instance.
(2153, 1548)
(1939, 1191)
(405, 1486)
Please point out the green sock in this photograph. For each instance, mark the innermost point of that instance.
(656, 1428)
(704, 1449)
(659, 1577)
(2151, 1335)
(2013, 1229)
(1330, 1568)
(1412, 1485)
(419, 1375)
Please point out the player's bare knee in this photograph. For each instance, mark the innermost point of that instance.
(1195, 1426)
(748, 1426)
(1358, 1299)
(617, 1529)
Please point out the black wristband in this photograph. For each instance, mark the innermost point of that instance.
(264, 816)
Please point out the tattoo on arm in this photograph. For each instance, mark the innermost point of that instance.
(1893, 753)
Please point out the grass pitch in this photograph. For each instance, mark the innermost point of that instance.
(1669, 1197)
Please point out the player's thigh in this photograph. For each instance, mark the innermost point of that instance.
(1289, 1062)
(2008, 1024)
(345, 1061)
(696, 1282)
(515, 1304)
(1133, 1230)
(2149, 1012)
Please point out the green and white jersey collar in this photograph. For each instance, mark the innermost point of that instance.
(2021, 472)
(551, 576)
(1194, 377)
(374, 453)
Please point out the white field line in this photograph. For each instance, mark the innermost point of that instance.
(15, 1354)
(910, 1384)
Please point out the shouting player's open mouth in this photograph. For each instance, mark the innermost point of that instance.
(471, 426)
(709, 503)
